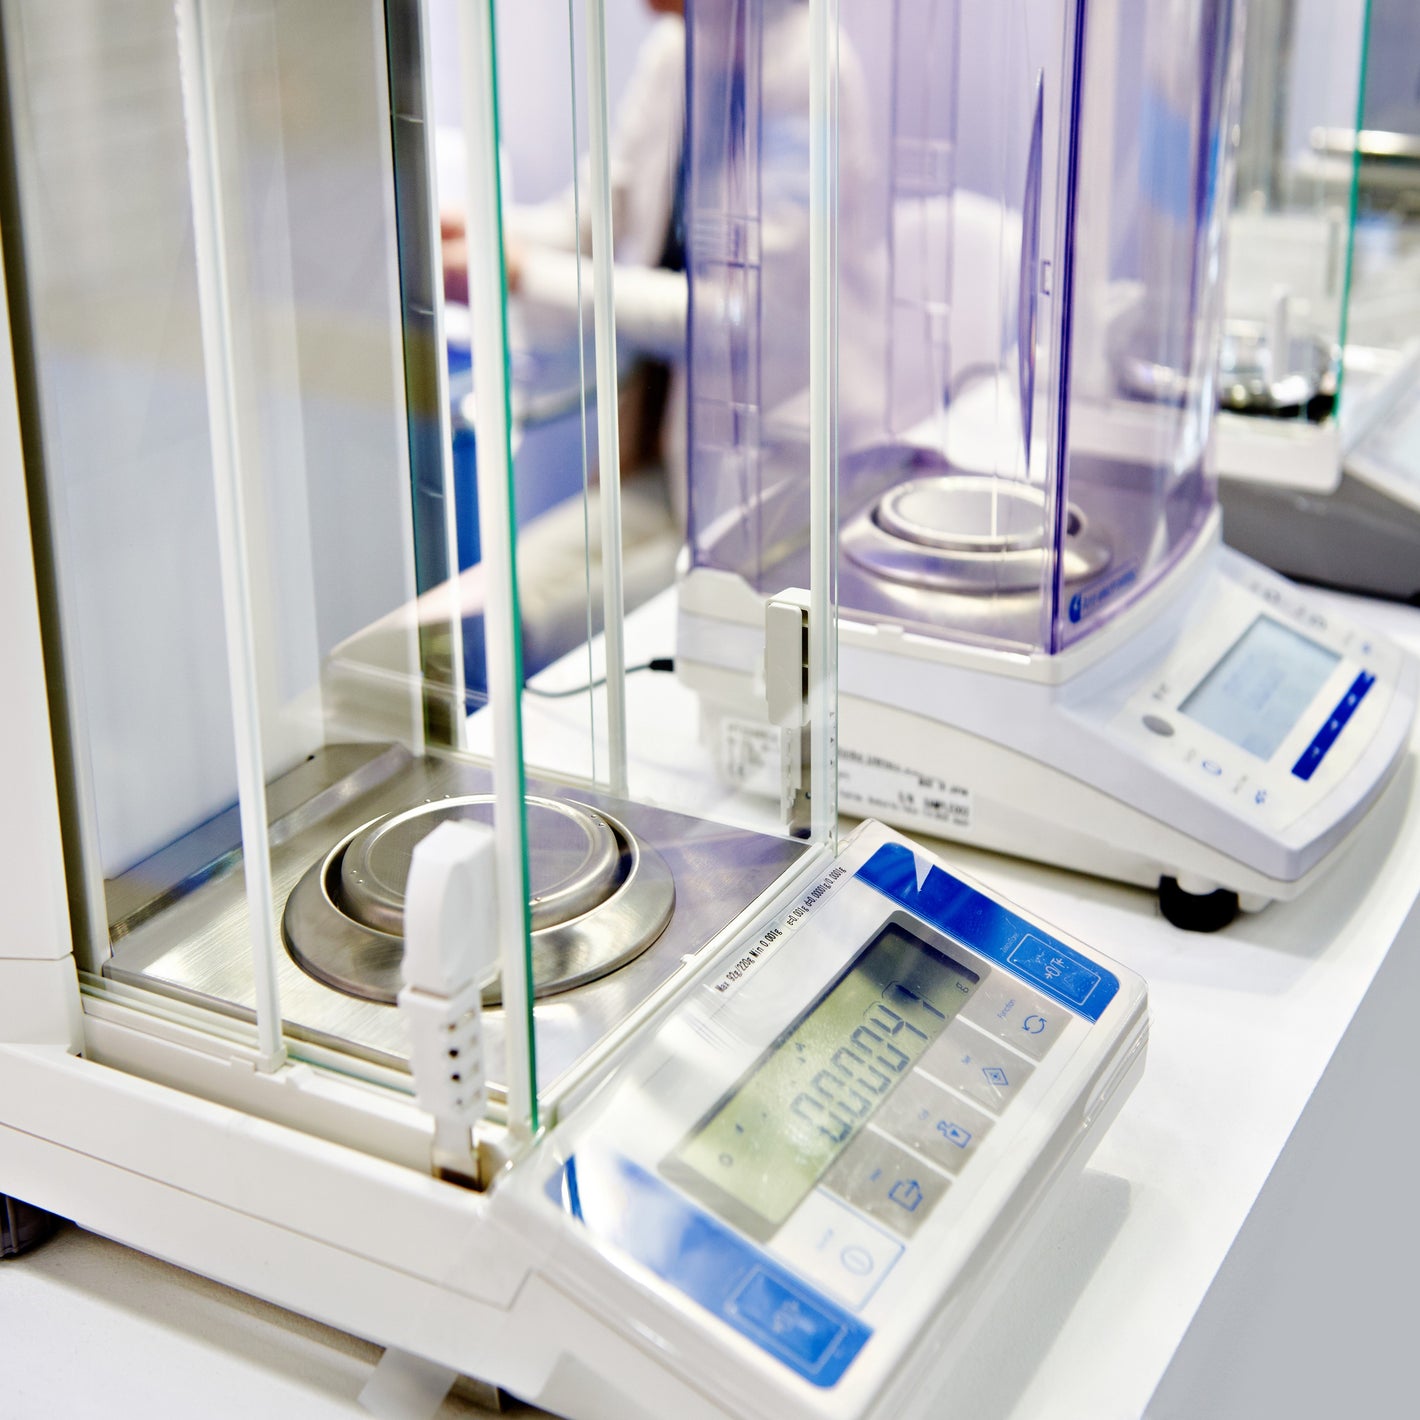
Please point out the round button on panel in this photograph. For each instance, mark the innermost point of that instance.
(934, 1122)
(1158, 725)
(1005, 1008)
(976, 1065)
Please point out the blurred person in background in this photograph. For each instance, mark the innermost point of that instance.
(547, 260)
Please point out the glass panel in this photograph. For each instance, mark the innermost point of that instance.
(260, 311)
(1028, 229)
(657, 220)
(750, 427)
(1141, 310)
(692, 851)
(228, 237)
(1383, 332)
(1289, 235)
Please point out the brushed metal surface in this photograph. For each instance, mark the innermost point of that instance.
(295, 801)
(573, 858)
(197, 949)
(592, 936)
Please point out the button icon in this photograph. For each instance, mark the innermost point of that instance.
(1260, 797)
(857, 1260)
(1033, 1025)
(790, 1318)
(1049, 963)
(995, 1075)
(835, 1248)
(954, 1133)
(1211, 766)
(786, 1322)
(907, 1194)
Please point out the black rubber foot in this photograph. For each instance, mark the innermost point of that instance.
(1196, 912)
(23, 1226)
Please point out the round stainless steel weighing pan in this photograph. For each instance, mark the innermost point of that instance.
(598, 897)
(1249, 383)
(967, 533)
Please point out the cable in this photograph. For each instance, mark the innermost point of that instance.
(661, 663)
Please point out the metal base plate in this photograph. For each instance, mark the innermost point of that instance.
(196, 947)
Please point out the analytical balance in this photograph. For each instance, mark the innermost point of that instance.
(1043, 648)
(607, 1104)
(1319, 473)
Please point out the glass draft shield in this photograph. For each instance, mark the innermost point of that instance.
(1383, 330)
(1291, 229)
(1030, 201)
(358, 366)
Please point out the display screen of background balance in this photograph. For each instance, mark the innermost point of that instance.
(765, 1144)
(1260, 689)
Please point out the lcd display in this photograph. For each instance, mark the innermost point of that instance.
(1257, 692)
(767, 1142)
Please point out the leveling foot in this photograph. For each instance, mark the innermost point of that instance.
(23, 1226)
(1196, 911)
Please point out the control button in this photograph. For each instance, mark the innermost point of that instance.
(976, 1066)
(1211, 766)
(1054, 965)
(1325, 737)
(833, 1247)
(1158, 725)
(785, 1319)
(934, 1121)
(1011, 1011)
(884, 1181)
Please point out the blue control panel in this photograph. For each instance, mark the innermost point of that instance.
(787, 1243)
(1325, 737)
(993, 931)
(713, 1265)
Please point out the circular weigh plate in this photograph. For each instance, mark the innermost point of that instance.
(573, 858)
(965, 514)
(967, 533)
(333, 945)
(1249, 383)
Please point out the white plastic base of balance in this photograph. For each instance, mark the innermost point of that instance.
(518, 1287)
(1085, 759)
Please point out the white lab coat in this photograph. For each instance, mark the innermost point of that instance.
(644, 157)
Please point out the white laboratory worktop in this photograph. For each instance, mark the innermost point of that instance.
(1245, 1024)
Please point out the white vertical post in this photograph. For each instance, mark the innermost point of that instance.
(608, 423)
(823, 418)
(215, 307)
(488, 304)
(446, 431)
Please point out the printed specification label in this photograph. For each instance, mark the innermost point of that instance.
(777, 930)
(752, 755)
(874, 786)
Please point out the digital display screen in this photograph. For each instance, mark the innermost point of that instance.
(767, 1142)
(1260, 689)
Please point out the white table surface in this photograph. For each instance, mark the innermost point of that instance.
(1245, 1024)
